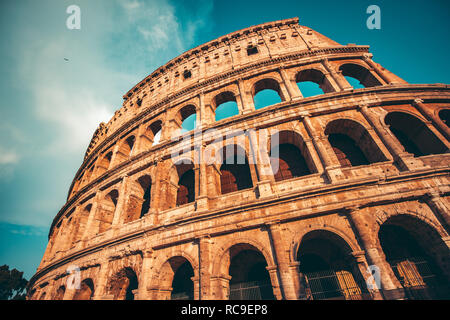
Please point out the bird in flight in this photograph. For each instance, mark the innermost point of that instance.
(66, 59)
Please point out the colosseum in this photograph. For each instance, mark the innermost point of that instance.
(339, 194)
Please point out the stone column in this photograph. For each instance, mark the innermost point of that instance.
(389, 283)
(273, 274)
(202, 199)
(102, 280)
(145, 278)
(264, 171)
(332, 170)
(428, 114)
(405, 160)
(119, 211)
(204, 252)
(438, 206)
(361, 266)
(248, 105)
(291, 85)
(337, 76)
(288, 277)
(89, 232)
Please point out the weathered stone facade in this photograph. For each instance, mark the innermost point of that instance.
(377, 167)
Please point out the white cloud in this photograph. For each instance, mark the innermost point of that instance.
(8, 156)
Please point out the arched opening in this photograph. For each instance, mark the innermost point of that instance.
(266, 92)
(60, 293)
(289, 157)
(312, 82)
(444, 115)
(176, 279)
(414, 249)
(182, 285)
(234, 171)
(414, 135)
(186, 188)
(352, 143)
(188, 117)
(152, 135)
(362, 75)
(103, 165)
(123, 284)
(138, 203)
(346, 150)
(328, 268)
(226, 105)
(105, 215)
(125, 150)
(86, 291)
(250, 279)
(82, 223)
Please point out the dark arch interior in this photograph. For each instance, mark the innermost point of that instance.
(146, 185)
(327, 266)
(346, 150)
(182, 286)
(444, 115)
(250, 279)
(416, 270)
(414, 135)
(86, 290)
(186, 188)
(235, 173)
(290, 162)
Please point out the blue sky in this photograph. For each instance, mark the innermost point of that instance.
(51, 107)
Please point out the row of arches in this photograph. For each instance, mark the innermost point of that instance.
(349, 141)
(328, 268)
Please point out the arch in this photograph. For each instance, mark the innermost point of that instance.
(444, 115)
(312, 82)
(289, 156)
(86, 291)
(122, 284)
(352, 143)
(413, 134)
(59, 295)
(360, 73)
(104, 163)
(418, 256)
(225, 105)
(328, 268)
(139, 199)
(105, 214)
(152, 135)
(181, 186)
(235, 171)
(187, 117)
(175, 279)
(267, 92)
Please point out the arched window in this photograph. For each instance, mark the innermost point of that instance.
(60, 293)
(86, 291)
(444, 115)
(250, 279)
(122, 284)
(290, 163)
(346, 150)
(103, 165)
(105, 216)
(146, 186)
(327, 268)
(186, 188)
(235, 171)
(352, 143)
(363, 76)
(312, 82)
(266, 92)
(188, 117)
(417, 256)
(414, 135)
(182, 285)
(226, 105)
